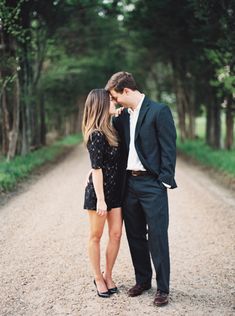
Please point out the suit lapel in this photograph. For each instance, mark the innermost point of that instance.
(143, 111)
(126, 124)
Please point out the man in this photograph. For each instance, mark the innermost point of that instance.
(148, 140)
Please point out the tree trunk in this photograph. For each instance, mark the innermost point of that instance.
(157, 85)
(181, 111)
(80, 105)
(16, 121)
(24, 138)
(192, 116)
(229, 124)
(184, 100)
(37, 107)
(3, 100)
(42, 120)
(26, 83)
(5, 123)
(184, 91)
(213, 122)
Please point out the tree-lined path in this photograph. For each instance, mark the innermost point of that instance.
(44, 267)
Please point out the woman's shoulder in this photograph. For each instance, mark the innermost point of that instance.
(97, 135)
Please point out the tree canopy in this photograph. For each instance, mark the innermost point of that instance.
(54, 52)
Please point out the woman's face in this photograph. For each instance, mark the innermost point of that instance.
(112, 107)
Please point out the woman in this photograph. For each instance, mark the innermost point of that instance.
(102, 193)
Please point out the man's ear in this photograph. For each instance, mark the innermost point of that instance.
(126, 90)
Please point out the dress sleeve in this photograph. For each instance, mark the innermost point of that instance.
(96, 147)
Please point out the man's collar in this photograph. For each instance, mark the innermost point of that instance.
(138, 106)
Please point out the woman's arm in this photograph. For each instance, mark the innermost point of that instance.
(97, 176)
(96, 150)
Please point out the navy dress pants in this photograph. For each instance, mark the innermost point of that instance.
(145, 213)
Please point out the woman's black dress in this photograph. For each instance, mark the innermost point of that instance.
(107, 157)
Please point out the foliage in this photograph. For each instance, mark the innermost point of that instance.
(60, 50)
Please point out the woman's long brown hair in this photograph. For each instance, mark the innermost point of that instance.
(96, 116)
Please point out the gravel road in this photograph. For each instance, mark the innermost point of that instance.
(44, 267)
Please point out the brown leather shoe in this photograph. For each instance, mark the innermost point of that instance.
(161, 298)
(138, 289)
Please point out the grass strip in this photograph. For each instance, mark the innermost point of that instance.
(221, 160)
(21, 166)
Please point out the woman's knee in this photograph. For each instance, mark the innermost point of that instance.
(115, 235)
(95, 236)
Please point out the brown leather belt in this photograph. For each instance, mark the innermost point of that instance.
(137, 173)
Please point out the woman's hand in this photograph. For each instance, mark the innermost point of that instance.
(101, 207)
(118, 111)
(87, 177)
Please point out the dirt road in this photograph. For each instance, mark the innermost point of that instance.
(44, 268)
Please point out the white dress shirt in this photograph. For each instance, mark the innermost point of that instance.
(134, 162)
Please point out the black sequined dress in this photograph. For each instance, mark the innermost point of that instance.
(107, 157)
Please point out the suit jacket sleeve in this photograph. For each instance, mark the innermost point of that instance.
(114, 122)
(167, 139)
(123, 157)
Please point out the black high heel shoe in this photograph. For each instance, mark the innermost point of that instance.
(114, 290)
(102, 294)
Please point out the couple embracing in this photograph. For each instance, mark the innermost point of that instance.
(133, 153)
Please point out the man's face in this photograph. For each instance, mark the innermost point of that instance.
(118, 97)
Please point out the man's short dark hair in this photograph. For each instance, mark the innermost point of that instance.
(121, 80)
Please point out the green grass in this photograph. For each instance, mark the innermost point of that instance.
(21, 166)
(221, 160)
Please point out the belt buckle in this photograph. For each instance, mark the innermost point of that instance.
(134, 173)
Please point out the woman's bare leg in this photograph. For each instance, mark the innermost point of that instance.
(114, 219)
(96, 230)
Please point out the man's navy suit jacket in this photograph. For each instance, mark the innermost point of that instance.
(155, 140)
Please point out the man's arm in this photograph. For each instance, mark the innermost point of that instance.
(167, 139)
